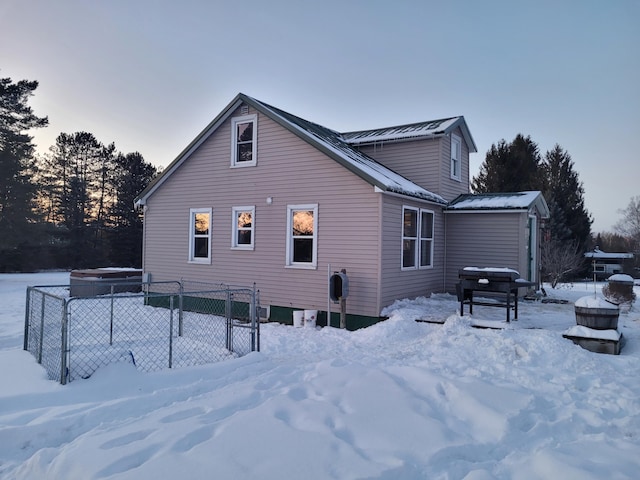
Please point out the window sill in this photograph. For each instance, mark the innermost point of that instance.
(206, 261)
(302, 266)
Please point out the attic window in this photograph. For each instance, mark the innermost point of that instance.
(456, 157)
(244, 133)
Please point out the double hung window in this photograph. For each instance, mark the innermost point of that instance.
(302, 236)
(243, 228)
(417, 238)
(456, 157)
(244, 140)
(200, 235)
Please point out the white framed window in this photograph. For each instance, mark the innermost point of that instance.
(244, 140)
(302, 236)
(409, 237)
(200, 235)
(243, 227)
(456, 157)
(426, 238)
(417, 238)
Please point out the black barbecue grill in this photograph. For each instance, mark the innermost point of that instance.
(501, 282)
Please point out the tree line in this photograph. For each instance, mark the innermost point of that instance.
(72, 207)
(519, 166)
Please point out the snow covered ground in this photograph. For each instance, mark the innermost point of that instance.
(399, 400)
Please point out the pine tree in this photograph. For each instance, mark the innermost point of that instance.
(17, 189)
(76, 187)
(570, 221)
(510, 167)
(134, 174)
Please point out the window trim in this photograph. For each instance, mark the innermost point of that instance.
(404, 237)
(431, 239)
(234, 227)
(290, 238)
(417, 239)
(456, 175)
(253, 118)
(192, 236)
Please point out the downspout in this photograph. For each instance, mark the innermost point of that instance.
(444, 271)
(380, 253)
(144, 238)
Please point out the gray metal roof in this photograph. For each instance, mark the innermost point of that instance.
(411, 131)
(333, 144)
(500, 201)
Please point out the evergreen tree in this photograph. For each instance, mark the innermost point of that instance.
(510, 167)
(570, 221)
(517, 166)
(133, 175)
(17, 189)
(76, 187)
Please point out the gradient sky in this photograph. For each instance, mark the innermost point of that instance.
(150, 74)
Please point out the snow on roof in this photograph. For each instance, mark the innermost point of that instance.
(334, 144)
(358, 161)
(492, 201)
(422, 129)
(597, 253)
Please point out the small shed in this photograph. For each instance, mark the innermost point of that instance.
(495, 229)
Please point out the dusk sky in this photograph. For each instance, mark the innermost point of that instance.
(149, 75)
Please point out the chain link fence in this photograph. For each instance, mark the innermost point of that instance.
(158, 325)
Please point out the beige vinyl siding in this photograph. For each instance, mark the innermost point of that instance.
(395, 282)
(416, 160)
(426, 162)
(291, 172)
(450, 188)
(483, 240)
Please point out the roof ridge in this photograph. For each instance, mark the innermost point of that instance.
(404, 125)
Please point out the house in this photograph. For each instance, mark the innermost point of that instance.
(263, 196)
(608, 263)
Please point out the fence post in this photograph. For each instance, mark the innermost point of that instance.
(258, 321)
(180, 309)
(27, 318)
(254, 313)
(64, 348)
(228, 317)
(42, 303)
(111, 319)
(170, 331)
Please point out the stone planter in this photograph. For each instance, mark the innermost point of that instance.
(596, 313)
